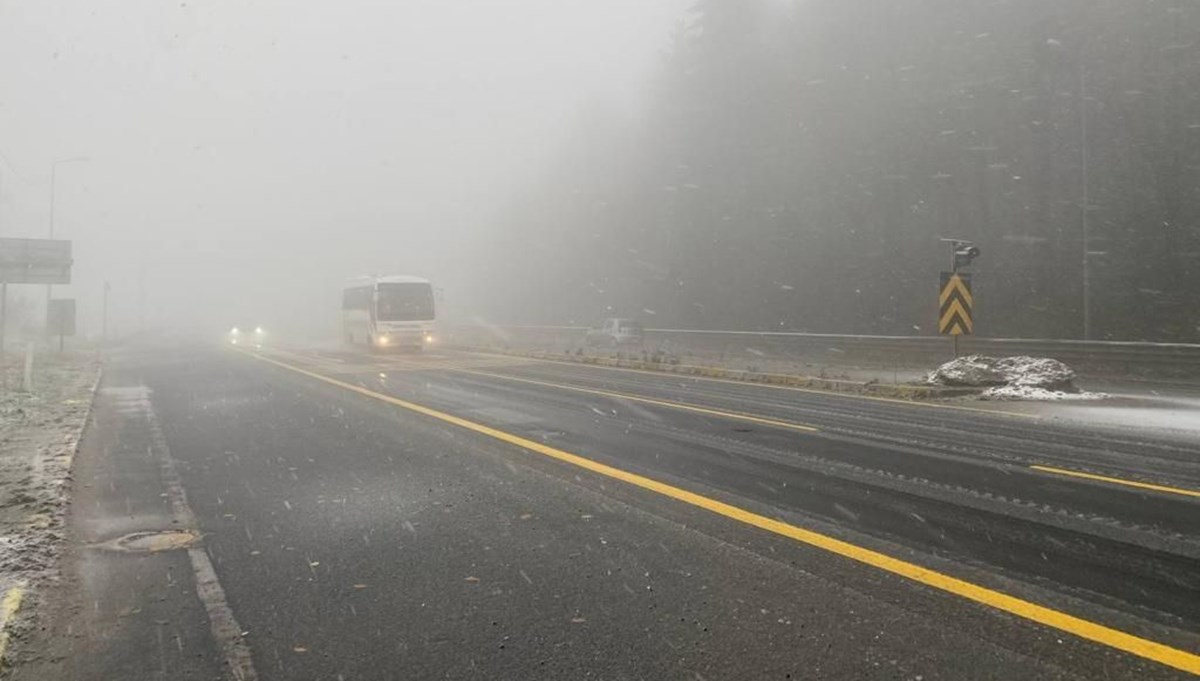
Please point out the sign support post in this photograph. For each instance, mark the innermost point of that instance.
(956, 306)
(60, 319)
(27, 377)
(32, 261)
(3, 317)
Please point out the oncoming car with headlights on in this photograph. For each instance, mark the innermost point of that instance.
(251, 335)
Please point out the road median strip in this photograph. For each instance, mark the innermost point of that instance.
(896, 391)
(1033, 612)
(929, 396)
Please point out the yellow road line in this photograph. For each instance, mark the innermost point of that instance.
(814, 391)
(8, 607)
(310, 359)
(390, 363)
(1117, 481)
(1086, 629)
(647, 400)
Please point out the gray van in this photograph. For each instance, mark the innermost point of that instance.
(614, 332)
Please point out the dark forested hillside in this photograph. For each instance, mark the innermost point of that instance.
(797, 163)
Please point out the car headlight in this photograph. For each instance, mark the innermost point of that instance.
(382, 340)
(234, 331)
(258, 330)
(429, 338)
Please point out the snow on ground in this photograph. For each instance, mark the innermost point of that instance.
(1025, 392)
(38, 435)
(1168, 417)
(1037, 372)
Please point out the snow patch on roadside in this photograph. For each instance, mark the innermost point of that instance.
(39, 432)
(1025, 392)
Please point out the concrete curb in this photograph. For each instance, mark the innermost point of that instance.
(904, 391)
(87, 418)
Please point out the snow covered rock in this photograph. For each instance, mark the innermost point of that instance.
(970, 371)
(1038, 372)
(990, 372)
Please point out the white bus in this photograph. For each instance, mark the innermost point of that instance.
(383, 312)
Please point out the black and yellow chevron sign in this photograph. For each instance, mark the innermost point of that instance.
(955, 305)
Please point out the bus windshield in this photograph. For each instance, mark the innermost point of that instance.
(404, 302)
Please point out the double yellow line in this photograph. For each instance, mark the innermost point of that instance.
(1086, 629)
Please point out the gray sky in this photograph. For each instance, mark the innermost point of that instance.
(253, 153)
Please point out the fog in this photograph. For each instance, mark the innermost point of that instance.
(244, 158)
(714, 164)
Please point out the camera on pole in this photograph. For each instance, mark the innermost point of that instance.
(964, 254)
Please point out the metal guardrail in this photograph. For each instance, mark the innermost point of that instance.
(1181, 360)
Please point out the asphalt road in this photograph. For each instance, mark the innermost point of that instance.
(451, 515)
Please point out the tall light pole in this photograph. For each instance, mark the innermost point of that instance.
(1083, 163)
(53, 187)
(104, 316)
(13, 170)
(54, 183)
(3, 278)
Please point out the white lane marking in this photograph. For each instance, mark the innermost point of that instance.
(224, 626)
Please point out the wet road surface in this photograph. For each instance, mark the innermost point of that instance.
(455, 515)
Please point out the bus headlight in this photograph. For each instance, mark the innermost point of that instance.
(428, 338)
(381, 341)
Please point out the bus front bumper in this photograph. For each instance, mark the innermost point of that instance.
(398, 339)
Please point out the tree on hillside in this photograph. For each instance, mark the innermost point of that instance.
(797, 164)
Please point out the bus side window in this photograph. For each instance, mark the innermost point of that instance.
(356, 298)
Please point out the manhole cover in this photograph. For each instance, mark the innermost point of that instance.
(152, 542)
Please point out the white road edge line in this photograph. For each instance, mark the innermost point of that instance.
(226, 632)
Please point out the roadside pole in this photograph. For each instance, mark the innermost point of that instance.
(3, 331)
(954, 270)
(142, 300)
(104, 317)
(53, 200)
(3, 317)
(27, 378)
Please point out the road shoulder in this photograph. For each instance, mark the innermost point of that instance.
(126, 603)
(40, 433)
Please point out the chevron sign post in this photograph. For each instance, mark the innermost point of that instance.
(956, 306)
